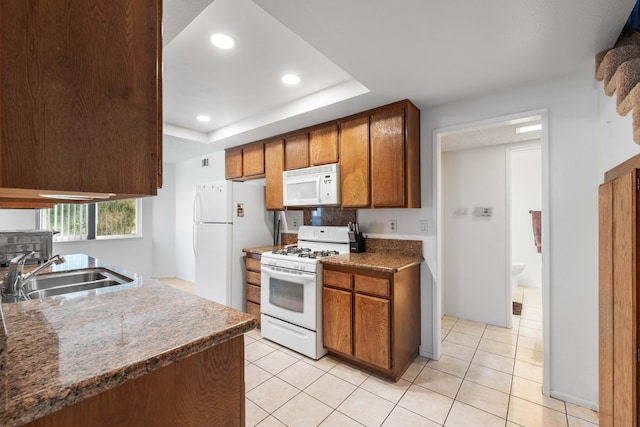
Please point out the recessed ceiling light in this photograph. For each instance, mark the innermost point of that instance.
(222, 41)
(291, 79)
(204, 118)
(531, 128)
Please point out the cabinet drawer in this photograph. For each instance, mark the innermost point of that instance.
(337, 279)
(372, 285)
(253, 264)
(253, 293)
(254, 310)
(253, 278)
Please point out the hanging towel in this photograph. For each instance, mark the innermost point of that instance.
(536, 219)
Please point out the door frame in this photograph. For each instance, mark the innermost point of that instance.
(546, 267)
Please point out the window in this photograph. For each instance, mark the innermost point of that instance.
(118, 218)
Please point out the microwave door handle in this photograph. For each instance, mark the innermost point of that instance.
(319, 184)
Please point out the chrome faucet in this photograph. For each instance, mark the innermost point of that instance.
(15, 277)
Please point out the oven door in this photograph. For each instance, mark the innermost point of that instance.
(289, 295)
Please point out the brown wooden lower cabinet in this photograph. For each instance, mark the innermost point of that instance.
(619, 316)
(205, 389)
(253, 285)
(372, 318)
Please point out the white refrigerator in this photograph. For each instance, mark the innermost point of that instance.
(227, 217)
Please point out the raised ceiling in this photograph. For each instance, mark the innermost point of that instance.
(359, 54)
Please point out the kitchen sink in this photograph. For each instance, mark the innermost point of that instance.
(46, 285)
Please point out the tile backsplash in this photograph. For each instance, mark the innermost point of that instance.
(329, 216)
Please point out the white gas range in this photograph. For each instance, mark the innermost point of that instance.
(291, 289)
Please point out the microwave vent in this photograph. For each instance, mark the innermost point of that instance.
(315, 170)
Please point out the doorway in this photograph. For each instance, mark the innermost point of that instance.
(486, 217)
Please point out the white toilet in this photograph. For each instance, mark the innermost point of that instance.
(516, 269)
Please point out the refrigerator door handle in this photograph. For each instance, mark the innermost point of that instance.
(197, 208)
(193, 235)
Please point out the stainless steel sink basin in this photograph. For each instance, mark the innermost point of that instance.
(46, 285)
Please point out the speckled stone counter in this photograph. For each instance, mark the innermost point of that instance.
(377, 261)
(262, 249)
(63, 349)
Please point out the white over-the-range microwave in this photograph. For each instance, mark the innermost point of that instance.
(314, 186)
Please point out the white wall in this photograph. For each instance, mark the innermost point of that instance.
(526, 195)
(17, 219)
(475, 284)
(163, 208)
(571, 337)
(187, 175)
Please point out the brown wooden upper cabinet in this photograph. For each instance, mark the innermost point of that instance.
(296, 151)
(395, 157)
(81, 98)
(354, 162)
(323, 145)
(245, 162)
(274, 165)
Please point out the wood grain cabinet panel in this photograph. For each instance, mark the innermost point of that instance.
(296, 152)
(371, 330)
(387, 158)
(274, 166)
(323, 145)
(337, 319)
(354, 162)
(253, 160)
(252, 285)
(372, 285)
(338, 279)
(233, 163)
(81, 96)
(619, 319)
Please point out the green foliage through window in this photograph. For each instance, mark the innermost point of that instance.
(116, 218)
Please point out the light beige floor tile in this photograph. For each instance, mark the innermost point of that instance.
(444, 333)
(366, 408)
(497, 347)
(510, 424)
(253, 413)
(583, 413)
(426, 403)
(578, 422)
(530, 356)
(530, 343)
(401, 417)
(448, 316)
(270, 343)
(532, 391)
(528, 370)
(463, 339)
(458, 351)
(450, 365)
(300, 374)
(501, 330)
(489, 377)
(337, 419)
(246, 362)
(291, 353)
(531, 324)
(494, 361)
(421, 360)
(439, 381)
(272, 394)
(302, 411)
(275, 362)
(484, 398)
(532, 415)
(412, 371)
(248, 340)
(256, 350)
(254, 333)
(471, 323)
(468, 329)
(530, 333)
(254, 376)
(502, 337)
(271, 422)
(326, 363)
(447, 323)
(349, 373)
(462, 415)
(330, 390)
(531, 315)
(389, 390)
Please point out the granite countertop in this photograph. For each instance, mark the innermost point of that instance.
(262, 249)
(63, 349)
(379, 261)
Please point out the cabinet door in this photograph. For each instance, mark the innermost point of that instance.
(253, 159)
(274, 164)
(323, 145)
(387, 159)
(336, 320)
(233, 163)
(296, 152)
(354, 162)
(81, 95)
(371, 330)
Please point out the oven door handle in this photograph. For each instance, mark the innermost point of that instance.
(284, 275)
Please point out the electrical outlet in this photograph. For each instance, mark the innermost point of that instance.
(423, 226)
(295, 223)
(393, 225)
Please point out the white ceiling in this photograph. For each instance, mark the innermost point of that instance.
(358, 54)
